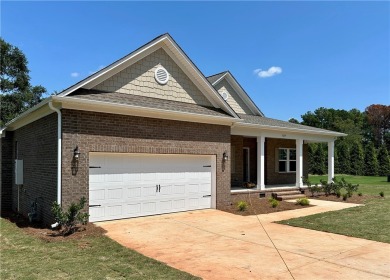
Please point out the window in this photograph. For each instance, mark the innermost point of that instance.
(287, 160)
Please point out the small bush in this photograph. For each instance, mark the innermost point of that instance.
(345, 197)
(360, 194)
(303, 201)
(274, 203)
(68, 220)
(382, 194)
(338, 194)
(242, 205)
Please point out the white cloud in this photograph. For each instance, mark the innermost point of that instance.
(272, 71)
(74, 74)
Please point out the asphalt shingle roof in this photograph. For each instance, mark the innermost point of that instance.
(147, 102)
(250, 119)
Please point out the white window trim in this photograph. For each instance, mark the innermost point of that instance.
(288, 160)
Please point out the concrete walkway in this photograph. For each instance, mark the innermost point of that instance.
(217, 245)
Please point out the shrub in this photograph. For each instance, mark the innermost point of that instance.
(338, 194)
(351, 189)
(360, 194)
(68, 220)
(303, 201)
(382, 194)
(274, 203)
(345, 197)
(242, 205)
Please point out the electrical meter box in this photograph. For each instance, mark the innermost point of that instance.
(19, 172)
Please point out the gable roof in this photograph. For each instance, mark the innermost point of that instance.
(215, 79)
(166, 42)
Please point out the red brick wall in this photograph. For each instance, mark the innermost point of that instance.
(6, 171)
(251, 143)
(272, 176)
(237, 142)
(37, 147)
(100, 132)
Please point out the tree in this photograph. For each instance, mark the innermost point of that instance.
(370, 160)
(318, 163)
(357, 158)
(17, 94)
(343, 158)
(293, 120)
(378, 117)
(383, 161)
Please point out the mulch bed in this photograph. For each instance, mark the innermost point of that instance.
(49, 235)
(256, 206)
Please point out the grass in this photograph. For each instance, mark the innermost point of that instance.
(370, 221)
(25, 257)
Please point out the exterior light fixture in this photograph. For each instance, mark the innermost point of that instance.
(76, 153)
(225, 156)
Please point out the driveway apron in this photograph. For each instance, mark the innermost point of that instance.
(217, 245)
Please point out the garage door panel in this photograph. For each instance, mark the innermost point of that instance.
(125, 184)
(133, 192)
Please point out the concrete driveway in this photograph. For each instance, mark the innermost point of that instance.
(216, 245)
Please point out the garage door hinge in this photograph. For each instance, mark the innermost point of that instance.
(95, 205)
(208, 195)
(94, 167)
(206, 165)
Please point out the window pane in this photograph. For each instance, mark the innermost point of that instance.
(293, 154)
(293, 166)
(282, 166)
(282, 154)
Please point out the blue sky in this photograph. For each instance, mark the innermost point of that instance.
(311, 54)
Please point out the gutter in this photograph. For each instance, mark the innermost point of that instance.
(59, 153)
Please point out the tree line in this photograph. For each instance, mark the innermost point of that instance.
(365, 151)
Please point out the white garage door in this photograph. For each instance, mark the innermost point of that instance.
(132, 185)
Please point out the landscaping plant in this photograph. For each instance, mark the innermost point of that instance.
(274, 203)
(303, 201)
(70, 219)
(242, 205)
(382, 194)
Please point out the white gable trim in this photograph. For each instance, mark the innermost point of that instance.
(241, 93)
(174, 51)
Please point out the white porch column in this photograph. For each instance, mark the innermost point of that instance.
(330, 161)
(260, 162)
(299, 163)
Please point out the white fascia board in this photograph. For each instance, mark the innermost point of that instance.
(213, 96)
(281, 132)
(35, 113)
(244, 96)
(132, 110)
(241, 93)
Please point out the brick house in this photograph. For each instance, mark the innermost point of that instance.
(149, 134)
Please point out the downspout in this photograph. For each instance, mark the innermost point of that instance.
(59, 152)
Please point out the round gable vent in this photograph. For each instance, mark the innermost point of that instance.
(161, 75)
(224, 95)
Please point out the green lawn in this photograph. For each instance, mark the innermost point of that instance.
(371, 221)
(25, 257)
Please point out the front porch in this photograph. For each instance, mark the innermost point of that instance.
(272, 162)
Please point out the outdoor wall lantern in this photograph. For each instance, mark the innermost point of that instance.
(225, 156)
(76, 153)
